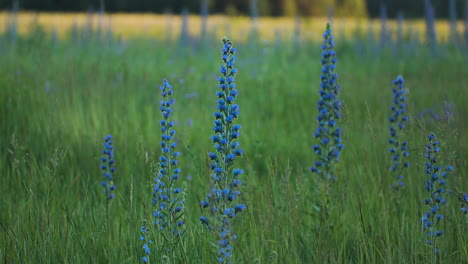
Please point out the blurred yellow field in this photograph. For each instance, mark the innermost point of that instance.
(152, 25)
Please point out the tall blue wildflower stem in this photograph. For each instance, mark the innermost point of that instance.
(328, 132)
(398, 147)
(108, 170)
(221, 204)
(168, 195)
(435, 186)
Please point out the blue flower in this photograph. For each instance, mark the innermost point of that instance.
(146, 241)
(107, 167)
(221, 201)
(328, 133)
(398, 119)
(434, 186)
(168, 196)
(146, 248)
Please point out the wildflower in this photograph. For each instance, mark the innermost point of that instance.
(144, 238)
(328, 132)
(398, 120)
(435, 188)
(108, 170)
(107, 167)
(225, 179)
(168, 197)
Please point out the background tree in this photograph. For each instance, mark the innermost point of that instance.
(371, 8)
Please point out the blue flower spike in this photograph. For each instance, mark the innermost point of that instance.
(108, 169)
(398, 147)
(435, 185)
(168, 200)
(328, 132)
(221, 203)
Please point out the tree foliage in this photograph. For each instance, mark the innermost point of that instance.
(241, 7)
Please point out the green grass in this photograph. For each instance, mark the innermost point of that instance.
(57, 102)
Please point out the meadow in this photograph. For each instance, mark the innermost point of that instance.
(63, 90)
